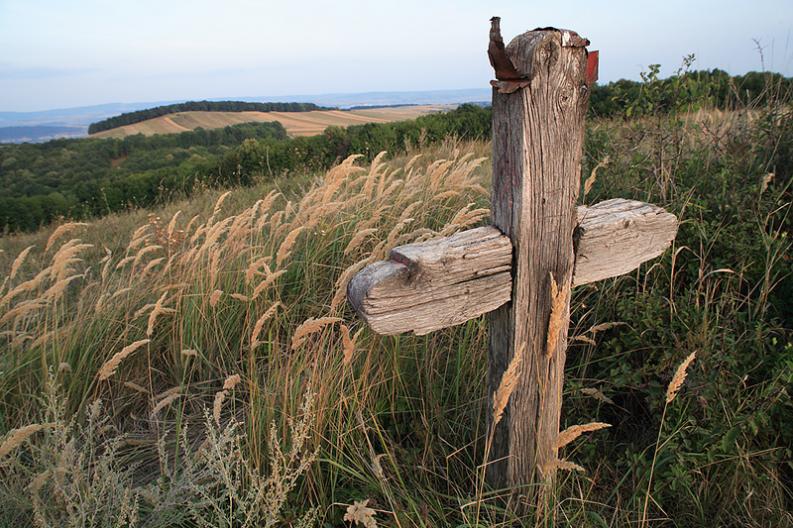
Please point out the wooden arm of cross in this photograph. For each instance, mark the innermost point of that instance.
(447, 281)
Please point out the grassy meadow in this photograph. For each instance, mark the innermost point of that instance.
(197, 364)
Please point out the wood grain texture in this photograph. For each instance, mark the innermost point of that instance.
(445, 282)
(432, 285)
(538, 136)
(615, 236)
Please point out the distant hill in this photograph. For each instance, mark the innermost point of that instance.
(82, 116)
(138, 116)
(296, 123)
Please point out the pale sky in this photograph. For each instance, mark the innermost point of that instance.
(57, 54)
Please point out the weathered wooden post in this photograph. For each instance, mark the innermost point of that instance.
(521, 269)
(538, 133)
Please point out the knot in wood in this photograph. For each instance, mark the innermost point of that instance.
(566, 95)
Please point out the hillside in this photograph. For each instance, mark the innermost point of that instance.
(239, 360)
(85, 178)
(138, 116)
(307, 123)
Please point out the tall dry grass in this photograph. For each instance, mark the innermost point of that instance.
(247, 293)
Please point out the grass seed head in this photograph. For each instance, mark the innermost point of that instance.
(679, 378)
(309, 327)
(16, 437)
(257, 328)
(217, 405)
(109, 368)
(60, 231)
(19, 261)
(231, 382)
(348, 344)
(215, 297)
(509, 381)
(163, 403)
(574, 431)
(285, 249)
(558, 318)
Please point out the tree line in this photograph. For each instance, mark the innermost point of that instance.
(686, 90)
(129, 118)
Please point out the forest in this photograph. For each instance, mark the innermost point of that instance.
(129, 118)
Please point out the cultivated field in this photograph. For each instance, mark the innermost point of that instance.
(296, 123)
(197, 365)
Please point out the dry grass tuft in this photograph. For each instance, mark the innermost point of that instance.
(344, 279)
(60, 231)
(266, 284)
(590, 181)
(217, 405)
(16, 437)
(597, 394)
(231, 382)
(257, 328)
(585, 339)
(574, 431)
(109, 368)
(57, 290)
(156, 312)
(359, 513)
(22, 309)
(165, 402)
(679, 378)
(348, 344)
(19, 261)
(215, 297)
(358, 239)
(564, 465)
(559, 306)
(285, 249)
(309, 327)
(220, 396)
(605, 326)
(508, 382)
(134, 386)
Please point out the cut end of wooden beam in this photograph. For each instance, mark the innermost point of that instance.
(445, 282)
(435, 284)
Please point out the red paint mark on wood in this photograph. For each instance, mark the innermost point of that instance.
(592, 60)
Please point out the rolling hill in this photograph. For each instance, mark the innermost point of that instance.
(296, 123)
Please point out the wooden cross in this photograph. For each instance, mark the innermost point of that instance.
(520, 270)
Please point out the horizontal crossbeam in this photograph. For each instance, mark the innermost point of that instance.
(447, 281)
